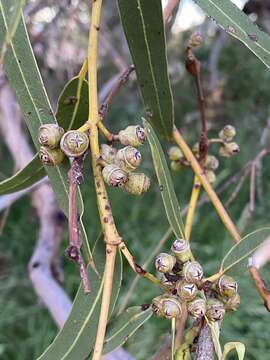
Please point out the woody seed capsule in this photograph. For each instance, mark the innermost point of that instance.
(186, 291)
(128, 158)
(164, 263)
(114, 176)
(132, 135)
(215, 310)
(181, 250)
(197, 308)
(193, 272)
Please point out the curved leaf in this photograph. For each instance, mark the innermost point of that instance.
(124, 326)
(72, 105)
(239, 347)
(30, 174)
(239, 25)
(14, 8)
(236, 258)
(143, 25)
(77, 337)
(23, 74)
(169, 198)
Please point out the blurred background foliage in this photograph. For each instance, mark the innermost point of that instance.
(236, 86)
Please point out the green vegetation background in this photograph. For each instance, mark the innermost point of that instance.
(25, 325)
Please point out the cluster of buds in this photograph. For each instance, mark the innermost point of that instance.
(120, 165)
(228, 148)
(211, 162)
(55, 144)
(183, 281)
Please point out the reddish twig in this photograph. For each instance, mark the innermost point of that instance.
(194, 68)
(73, 251)
(261, 286)
(121, 80)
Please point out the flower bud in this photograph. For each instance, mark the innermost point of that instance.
(50, 135)
(211, 162)
(128, 158)
(176, 166)
(50, 157)
(232, 303)
(227, 133)
(211, 176)
(107, 153)
(227, 286)
(164, 263)
(196, 39)
(114, 176)
(197, 308)
(229, 149)
(175, 153)
(215, 310)
(186, 291)
(74, 143)
(137, 183)
(132, 135)
(181, 250)
(193, 272)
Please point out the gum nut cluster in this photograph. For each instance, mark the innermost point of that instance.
(120, 164)
(55, 144)
(228, 148)
(183, 282)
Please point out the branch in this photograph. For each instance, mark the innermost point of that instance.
(205, 348)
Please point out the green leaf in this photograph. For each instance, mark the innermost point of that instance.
(77, 337)
(30, 174)
(236, 23)
(124, 326)
(14, 8)
(169, 198)
(143, 25)
(24, 77)
(72, 106)
(72, 111)
(214, 328)
(236, 258)
(238, 346)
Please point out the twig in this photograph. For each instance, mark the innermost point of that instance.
(121, 80)
(75, 178)
(261, 286)
(207, 186)
(224, 216)
(205, 348)
(192, 206)
(167, 13)
(194, 68)
(146, 263)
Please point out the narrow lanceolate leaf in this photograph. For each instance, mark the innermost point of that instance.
(166, 187)
(72, 105)
(29, 175)
(22, 72)
(124, 326)
(237, 257)
(77, 337)
(24, 77)
(238, 346)
(239, 25)
(143, 26)
(71, 113)
(14, 8)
